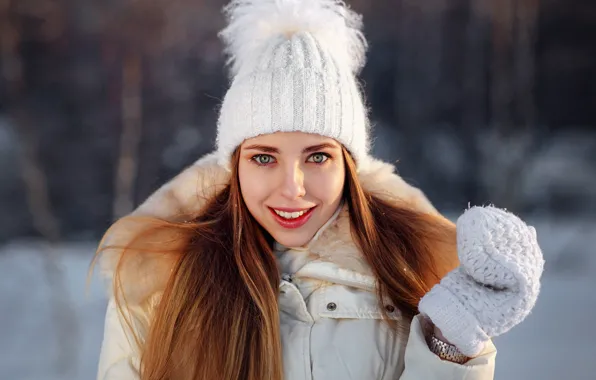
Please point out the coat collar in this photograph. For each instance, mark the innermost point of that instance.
(186, 194)
(317, 262)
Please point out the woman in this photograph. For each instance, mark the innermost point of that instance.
(290, 253)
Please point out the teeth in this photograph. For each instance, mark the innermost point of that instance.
(290, 215)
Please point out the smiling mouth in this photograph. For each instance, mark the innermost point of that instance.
(291, 214)
(288, 218)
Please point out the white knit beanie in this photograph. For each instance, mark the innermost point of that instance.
(294, 65)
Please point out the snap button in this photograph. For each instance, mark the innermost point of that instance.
(331, 306)
(390, 308)
(287, 277)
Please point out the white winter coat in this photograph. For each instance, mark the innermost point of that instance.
(331, 326)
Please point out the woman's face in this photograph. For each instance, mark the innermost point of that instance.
(292, 183)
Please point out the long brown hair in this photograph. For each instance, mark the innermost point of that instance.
(218, 315)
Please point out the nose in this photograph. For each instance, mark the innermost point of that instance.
(293, 182)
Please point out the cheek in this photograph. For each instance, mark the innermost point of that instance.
(252, 186)
(328, 186)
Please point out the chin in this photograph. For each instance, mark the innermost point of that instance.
(292, 239)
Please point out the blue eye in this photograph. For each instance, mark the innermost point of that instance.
(318, 158)
(263, 159)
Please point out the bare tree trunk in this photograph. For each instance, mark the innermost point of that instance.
(513, 99)
(502, 92)
(419, 62)
(526, 13)
(47, 225)
(525, 71)
(126, 173)
(37, 190)
(474, 109)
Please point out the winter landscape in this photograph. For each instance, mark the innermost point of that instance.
(477, 102)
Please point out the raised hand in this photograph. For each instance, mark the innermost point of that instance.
(496, 285)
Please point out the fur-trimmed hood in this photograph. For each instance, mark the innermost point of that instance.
(186, 194)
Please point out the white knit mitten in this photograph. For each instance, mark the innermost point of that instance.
(496, 285)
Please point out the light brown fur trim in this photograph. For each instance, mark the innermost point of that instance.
(185, 195)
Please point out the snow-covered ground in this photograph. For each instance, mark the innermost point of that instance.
(31, 344)
(556, 342)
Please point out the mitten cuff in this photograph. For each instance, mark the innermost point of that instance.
(458, 325)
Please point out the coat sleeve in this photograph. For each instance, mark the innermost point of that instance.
(421, 363)
(118, 360)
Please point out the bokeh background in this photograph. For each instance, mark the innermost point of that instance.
(477, 102)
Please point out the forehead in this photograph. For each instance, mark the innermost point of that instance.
(290, 141)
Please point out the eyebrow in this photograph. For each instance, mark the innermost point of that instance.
(310, 149)
(319, 147)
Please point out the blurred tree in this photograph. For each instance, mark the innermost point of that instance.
(47, 14)
(139, 34)
(126, 93)
(129, 28)
(514, 136)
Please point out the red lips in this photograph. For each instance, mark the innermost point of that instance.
(292, 223)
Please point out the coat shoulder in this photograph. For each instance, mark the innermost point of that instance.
(181, 198)
(381, 179)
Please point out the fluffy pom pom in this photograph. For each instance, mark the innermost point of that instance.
(254, 23)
